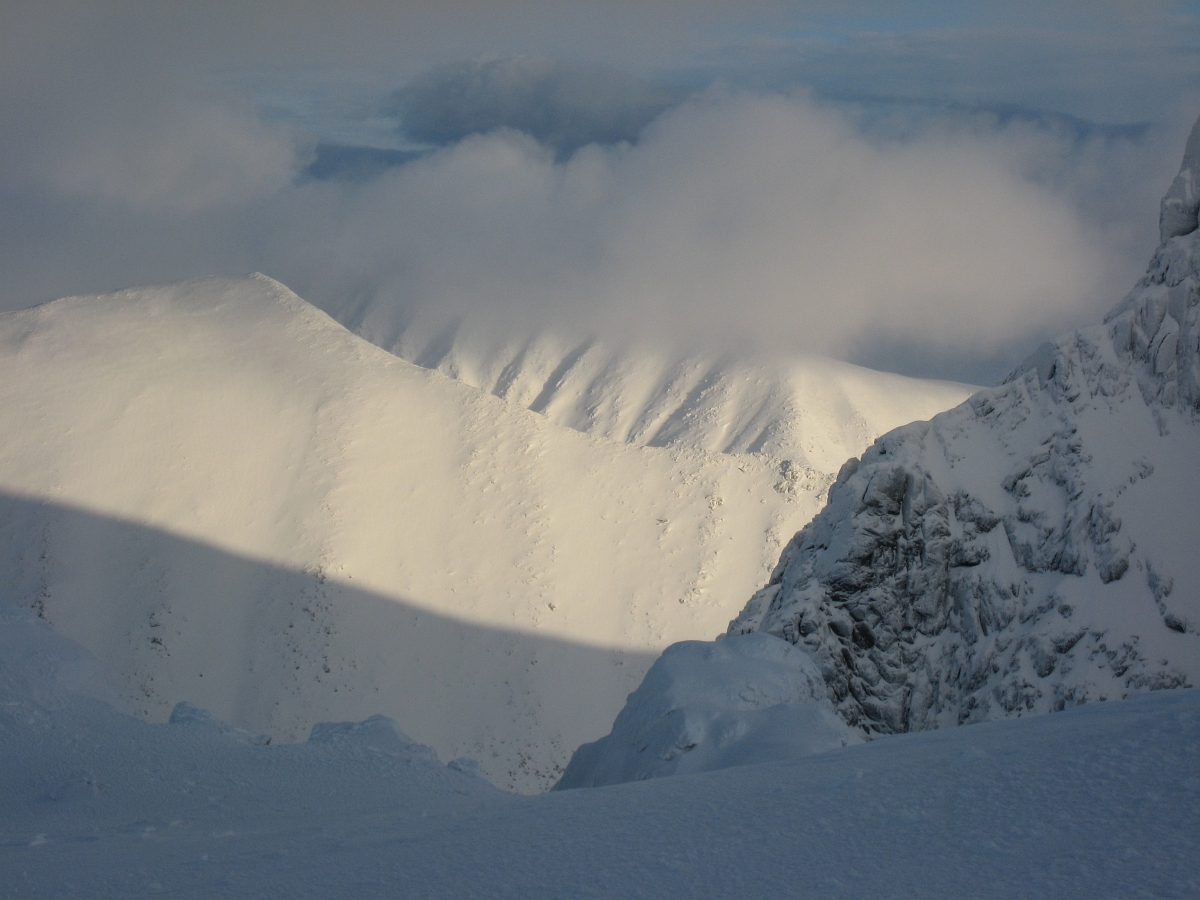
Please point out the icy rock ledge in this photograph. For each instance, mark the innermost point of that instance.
(712, 705)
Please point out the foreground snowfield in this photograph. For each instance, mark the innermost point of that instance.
(232, 500)
(1096, 802)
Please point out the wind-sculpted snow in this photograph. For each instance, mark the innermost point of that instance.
(712, 705)
(1031, 549)
(809, 410)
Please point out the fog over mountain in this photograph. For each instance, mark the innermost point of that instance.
(777, 179)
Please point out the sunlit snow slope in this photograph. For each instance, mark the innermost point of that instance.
(232, 500)
(814, 411)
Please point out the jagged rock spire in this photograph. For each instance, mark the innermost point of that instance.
(1178, 214)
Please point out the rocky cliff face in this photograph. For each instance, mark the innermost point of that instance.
(1034, 548)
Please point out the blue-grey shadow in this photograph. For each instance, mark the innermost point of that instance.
(273, 650)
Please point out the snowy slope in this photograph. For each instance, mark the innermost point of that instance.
(1097, 802)
(232, 500)
(814, 411)
(1031, 549)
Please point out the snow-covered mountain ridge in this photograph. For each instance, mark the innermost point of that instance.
(232, 500)
(814, 411)
(1031, 549)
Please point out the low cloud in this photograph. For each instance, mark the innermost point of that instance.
(567, 195)
(769, 223)
(766, 224)
(562, 105)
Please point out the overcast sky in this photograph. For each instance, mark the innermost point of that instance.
(929, 188)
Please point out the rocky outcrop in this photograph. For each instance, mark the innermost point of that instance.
(1031, 549)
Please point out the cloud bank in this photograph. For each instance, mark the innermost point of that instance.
(935, 237)
(766, 223)
(734, 222)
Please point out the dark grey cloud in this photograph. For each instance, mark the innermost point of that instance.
(343, 162)
(564, 105)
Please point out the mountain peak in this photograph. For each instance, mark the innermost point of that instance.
(1181, 205)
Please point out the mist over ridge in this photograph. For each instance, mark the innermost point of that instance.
(775, 181)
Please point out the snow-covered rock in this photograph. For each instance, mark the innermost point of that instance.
(1178, 214)
(1031, 549)
(711, 705)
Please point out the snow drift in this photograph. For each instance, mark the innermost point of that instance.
(705, 706)
(1031, 549)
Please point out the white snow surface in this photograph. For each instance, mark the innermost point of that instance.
(233, 501)
(813, 411)
(711, 705)
(1101, 801)
(1029, 550)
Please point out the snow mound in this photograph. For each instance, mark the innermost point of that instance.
(377, 734)
(185, 713)
(712, 705)
(1029, 550)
